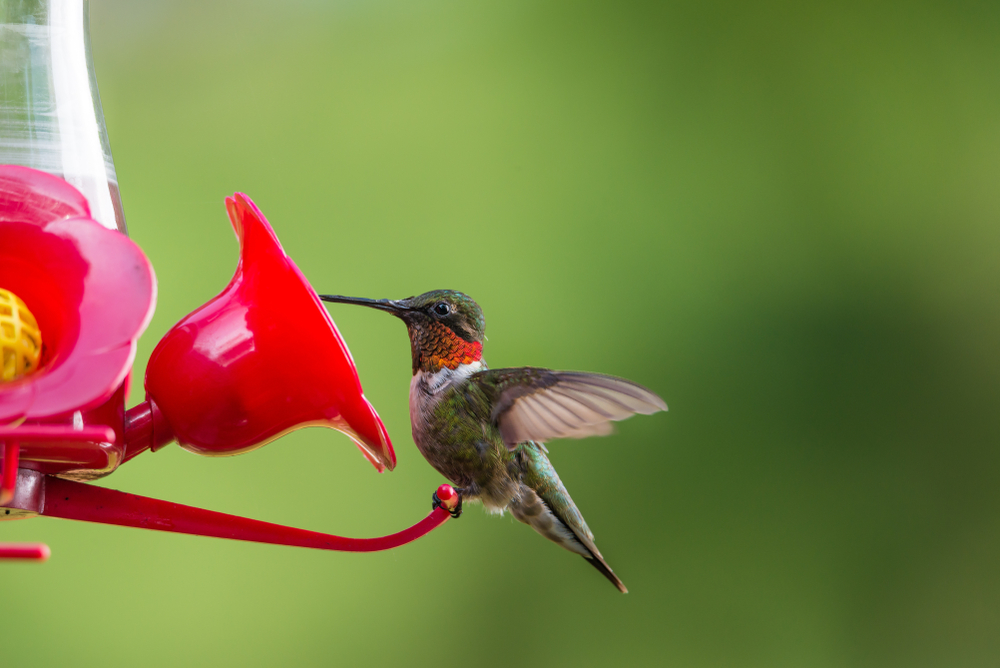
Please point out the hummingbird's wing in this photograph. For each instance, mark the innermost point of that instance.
(531, 404)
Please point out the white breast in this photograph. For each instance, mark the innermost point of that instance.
(426, 389)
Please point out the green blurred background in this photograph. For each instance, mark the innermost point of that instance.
(782, 217)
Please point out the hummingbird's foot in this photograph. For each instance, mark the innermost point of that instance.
(437, 503)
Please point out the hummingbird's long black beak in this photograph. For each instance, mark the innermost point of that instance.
(392, 306)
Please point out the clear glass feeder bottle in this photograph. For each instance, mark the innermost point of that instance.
(50, 110)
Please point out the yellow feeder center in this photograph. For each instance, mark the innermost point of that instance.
(20, 340)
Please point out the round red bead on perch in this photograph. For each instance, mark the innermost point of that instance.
(448, 497)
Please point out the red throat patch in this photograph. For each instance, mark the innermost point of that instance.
(437, 346)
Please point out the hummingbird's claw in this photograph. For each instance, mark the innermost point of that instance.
(437, 503)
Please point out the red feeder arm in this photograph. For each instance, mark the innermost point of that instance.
(224, 380)
(39, 494)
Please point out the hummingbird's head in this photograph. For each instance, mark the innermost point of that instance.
(446, 327)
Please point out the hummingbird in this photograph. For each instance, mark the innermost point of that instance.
(485, 429)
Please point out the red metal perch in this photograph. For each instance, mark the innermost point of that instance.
(49, 496)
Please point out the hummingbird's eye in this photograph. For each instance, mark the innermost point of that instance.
(442, 309)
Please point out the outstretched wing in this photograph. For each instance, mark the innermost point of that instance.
(531, 404)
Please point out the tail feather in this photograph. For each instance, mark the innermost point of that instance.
(602, 566)
(545, 505)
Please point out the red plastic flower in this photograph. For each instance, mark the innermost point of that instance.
(260, 359)
(91, 289)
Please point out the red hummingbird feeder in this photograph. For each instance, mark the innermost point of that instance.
(75, 295)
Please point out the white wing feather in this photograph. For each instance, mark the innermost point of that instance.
(576, 405)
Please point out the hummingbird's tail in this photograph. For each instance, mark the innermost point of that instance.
(544, 504)
(601, 565)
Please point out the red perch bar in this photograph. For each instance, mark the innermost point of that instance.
(89, 503)
(67, 499)
(24, 551)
